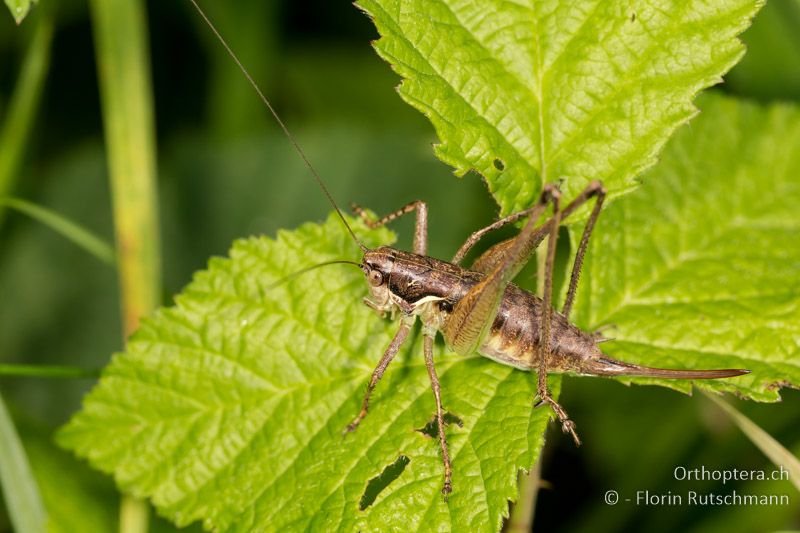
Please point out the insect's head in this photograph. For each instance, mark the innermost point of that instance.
(377, 266)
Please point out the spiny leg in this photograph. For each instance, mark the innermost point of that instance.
(420, 247)
(472, 316)
(421, 226)
(492, 257)
(428, 337)
(377, 374)
(567, 425)
(597, 190)
(473, 239)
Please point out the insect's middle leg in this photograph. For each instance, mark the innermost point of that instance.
(394, 347)
(473, 239)
(437, 394)
(420, 228)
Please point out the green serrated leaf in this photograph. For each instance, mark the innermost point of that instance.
(700, 267)
(230, 406)
(19, 8)
(549, 90)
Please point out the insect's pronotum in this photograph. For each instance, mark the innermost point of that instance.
(478, 309)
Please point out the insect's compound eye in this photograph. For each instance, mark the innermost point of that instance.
(375, 278)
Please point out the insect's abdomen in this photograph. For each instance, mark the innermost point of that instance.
(514, 336)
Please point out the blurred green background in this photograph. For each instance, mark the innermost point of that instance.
(225, 171)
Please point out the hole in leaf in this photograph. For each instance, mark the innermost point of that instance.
(431, 429)
(499, 165)
(376, 485)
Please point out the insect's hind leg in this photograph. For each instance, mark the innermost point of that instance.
(594, 189)
(428, 338)
(421, 225)
(394, 347)
(567, 425)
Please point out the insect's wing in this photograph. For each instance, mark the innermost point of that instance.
(473, 315)
(492, 257)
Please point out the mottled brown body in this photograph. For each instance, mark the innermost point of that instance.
(514, 336)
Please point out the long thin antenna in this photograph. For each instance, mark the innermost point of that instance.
(286, 131)
(302, 271)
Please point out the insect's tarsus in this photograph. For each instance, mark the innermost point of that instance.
(292, 140)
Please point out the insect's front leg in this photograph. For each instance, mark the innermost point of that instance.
(420, 228)
(399, 338)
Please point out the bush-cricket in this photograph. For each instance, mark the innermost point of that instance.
(478, 308)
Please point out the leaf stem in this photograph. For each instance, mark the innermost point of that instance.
(522, 514)
(524, 510)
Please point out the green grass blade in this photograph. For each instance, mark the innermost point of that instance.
(773, 449)
(21, 492)
(121, 36)
(72, 231)
(47, 371)
(134, 515)
(24, 102)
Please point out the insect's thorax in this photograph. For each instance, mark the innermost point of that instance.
(412, 277)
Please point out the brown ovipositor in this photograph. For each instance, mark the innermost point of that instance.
(479, 309)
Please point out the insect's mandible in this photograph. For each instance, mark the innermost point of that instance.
(478, 308)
